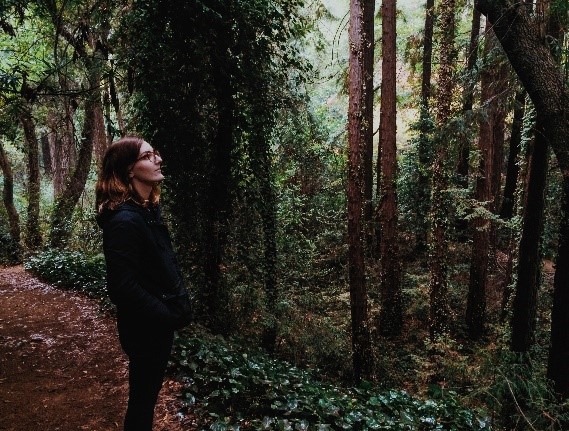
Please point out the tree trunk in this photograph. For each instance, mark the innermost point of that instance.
(558, 364)
(439, 201)
(46, 156)
(269, 216)
(367, 124)
(8, 197)
(218, 207)
(61, 221)
(361, 349)
(391, 312)
(61, 138)
(32, 238)
(100, 143)
(507, 210)
(464, 153)
(424, 149)
(490, 140)
(115, 100)
(529, 260)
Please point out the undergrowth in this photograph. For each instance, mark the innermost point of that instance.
(231, 387)
(239, 388)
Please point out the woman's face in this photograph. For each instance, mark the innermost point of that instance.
(146, 171)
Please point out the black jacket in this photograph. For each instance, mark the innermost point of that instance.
(143, 276)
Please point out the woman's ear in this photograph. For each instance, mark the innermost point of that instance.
(130, 174)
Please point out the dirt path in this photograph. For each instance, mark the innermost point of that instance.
(61, 367)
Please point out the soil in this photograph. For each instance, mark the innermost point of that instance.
(61, 366)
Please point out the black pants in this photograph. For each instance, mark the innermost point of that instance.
(146, 369)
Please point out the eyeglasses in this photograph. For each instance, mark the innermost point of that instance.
(152, 156)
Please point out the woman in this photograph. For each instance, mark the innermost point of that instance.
(143, 276)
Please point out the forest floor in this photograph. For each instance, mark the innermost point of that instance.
(61, 366)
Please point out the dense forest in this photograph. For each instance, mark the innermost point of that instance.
(373, 192)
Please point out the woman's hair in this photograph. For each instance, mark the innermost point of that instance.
(113, 185)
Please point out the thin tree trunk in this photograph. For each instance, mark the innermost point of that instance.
(368, 51)
(99, 135)
(46, 156)
(361, 349)
(32, 237)
(439, 202)
(526, 143)
(269, 220)
(464, 153)
(490, 140)
(115, 100)
(425, 127)
(529, 260)
(507, 210)
(8, 196)
(391, 312)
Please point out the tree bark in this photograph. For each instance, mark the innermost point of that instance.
(8, 197)
(391, 312)
(529, 260)
(464, 153)
(439, 202)
(558, 363)
(367, 124)
(507, 210)
(490, 140)
(32, 238)
(361, 349)
(424, 149)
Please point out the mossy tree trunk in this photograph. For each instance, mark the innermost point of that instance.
(491, 139)
(361, 348)
(8, 197)
(424, 149)
(32, 237)
(391, 312)
(438, 287)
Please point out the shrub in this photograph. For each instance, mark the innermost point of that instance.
(241, 388)
(70, 270)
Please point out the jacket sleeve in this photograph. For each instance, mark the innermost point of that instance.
(123, 245)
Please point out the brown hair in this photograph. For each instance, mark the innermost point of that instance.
(113, 185)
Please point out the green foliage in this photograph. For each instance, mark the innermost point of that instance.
(70, 270)
(520, 394)
(244, 388)
(9, 251)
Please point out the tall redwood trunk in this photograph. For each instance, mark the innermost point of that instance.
(367, 124)
(361, 350)
(391, 312)
(424, 149)
(491, 138)
(439, 201)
